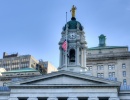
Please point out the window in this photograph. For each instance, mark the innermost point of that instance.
(111, 51)
(72, 70)
(124, 73)
(123, 66)
(89, 53)
(111, 74)
(111, 67)
(89, 67)
(100, 74)
(100, 67)
(100, 51)
(72, 55)
(124, 82)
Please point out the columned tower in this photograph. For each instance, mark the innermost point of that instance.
(76, 46)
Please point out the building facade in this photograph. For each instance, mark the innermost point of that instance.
(14, 66)
(76, 79)
(14, 61)
(111, 62)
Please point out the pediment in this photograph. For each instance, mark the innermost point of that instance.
(65, 78)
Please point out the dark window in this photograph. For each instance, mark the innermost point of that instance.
(72, 55)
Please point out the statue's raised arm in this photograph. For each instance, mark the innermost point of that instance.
(73, 9)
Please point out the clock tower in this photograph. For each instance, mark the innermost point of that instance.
(74, 57)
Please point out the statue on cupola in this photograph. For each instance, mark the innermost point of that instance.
(73, 9)
(74, 36)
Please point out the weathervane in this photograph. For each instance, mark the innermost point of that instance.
(73, 9)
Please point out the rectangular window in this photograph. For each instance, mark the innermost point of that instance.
(100, 67)
(124, 73)
(100, 74)
(89, 68)
(123, 66)
(124, 82)
(111, 67)
(72, 70)
(111, 74)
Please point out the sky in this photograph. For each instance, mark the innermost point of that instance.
(34, 26)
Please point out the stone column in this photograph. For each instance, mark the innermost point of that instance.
(72, 98)
(13, 98)
(81, 57)
(32, 98)
(84, 54)
(60, 60)
(93, 98)
(114, 98)
(52, 98)
(77, 60)
(63, 60)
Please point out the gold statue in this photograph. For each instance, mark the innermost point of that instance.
(73, 11)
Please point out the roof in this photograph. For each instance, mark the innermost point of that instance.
(21, 70)
(72, 24)
(106, 47)
(62, 78)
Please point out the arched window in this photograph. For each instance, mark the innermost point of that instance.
(72, 55)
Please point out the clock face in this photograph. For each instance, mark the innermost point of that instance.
(72, 35)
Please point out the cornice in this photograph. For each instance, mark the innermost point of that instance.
(67, 73)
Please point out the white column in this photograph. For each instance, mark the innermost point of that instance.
(84, 54)
(72, 98)
(114, 98)
(52, 98)
(60, 58)
(32, 98)
(81, 57)
(13, 98)
(93, 98)
(77, 60)
(63, 60)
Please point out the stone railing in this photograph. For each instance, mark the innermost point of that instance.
(4, 88)
(112, 78)
(125, 87)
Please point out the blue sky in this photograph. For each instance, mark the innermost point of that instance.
(34, 26)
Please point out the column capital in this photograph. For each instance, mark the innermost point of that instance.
(32, 98)
(13, 98)
(93, 98)
(114, 98)
(52, 98)
(72, 98)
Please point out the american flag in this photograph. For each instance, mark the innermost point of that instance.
(64, 45)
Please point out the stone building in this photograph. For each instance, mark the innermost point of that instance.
(76, 79)
(15, 61)
(24, 66)
(111, 62)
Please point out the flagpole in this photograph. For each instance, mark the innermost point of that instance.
(66, 40)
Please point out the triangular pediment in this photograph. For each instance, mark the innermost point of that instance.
(65, 78)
